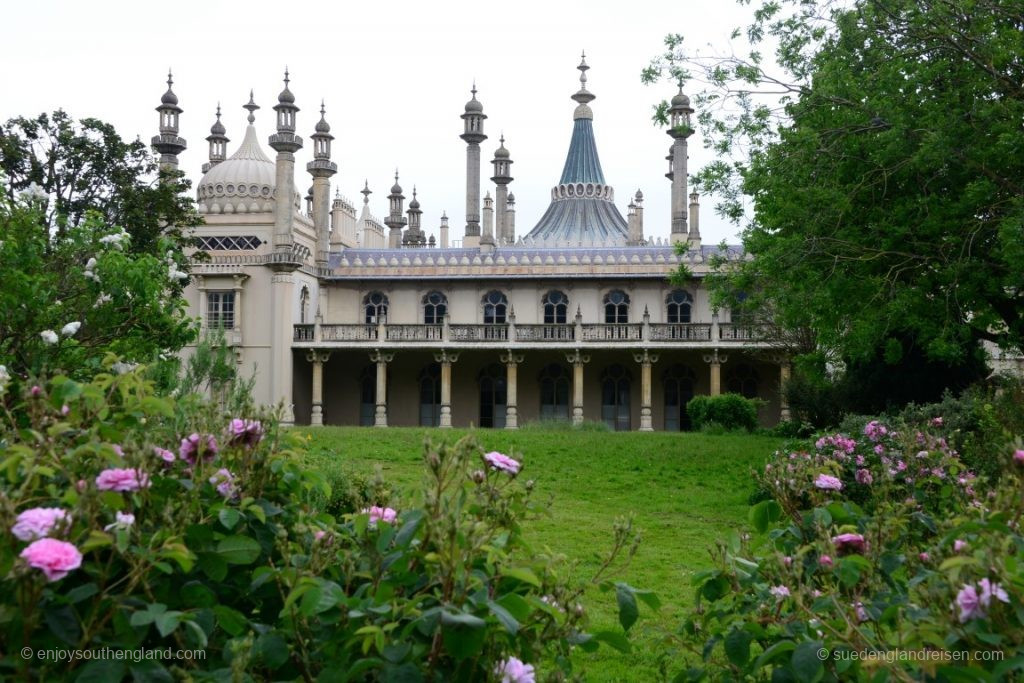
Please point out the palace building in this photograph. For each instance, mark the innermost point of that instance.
(352, 320)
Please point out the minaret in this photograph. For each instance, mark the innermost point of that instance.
(218, 143)
(510, 219)
(395, 221)
(502, 177)
(679, 129)
(487, 237)
(286, 143)
(168, 143)
(636, 220)
(694, 236)
(414, 236)
(473, 123)
(444, 230)
(322, 168)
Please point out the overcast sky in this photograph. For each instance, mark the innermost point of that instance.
(395, 76)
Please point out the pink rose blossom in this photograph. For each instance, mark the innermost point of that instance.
(123, 520)
(969, 603)
(513, 670)
(862, 614)
(787, 560)
(36, 390)
(117, 449)
(64, 409)
(164, 454)
(122, 479)
(1018, 456)
(924, 557)
(959, 545)
(500, 461)
(780, 592)
(849, 543)
(380, 514)
(225, 483)
(937, 421)
(54, 558)
(81, 485)
(245, 432)
(864, 477)
(319, 534)
(190, 447)
(825, 561)
(38, 522)
(991, 590)
(828, 483)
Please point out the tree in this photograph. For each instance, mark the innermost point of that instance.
(884, 155)
(89, 167)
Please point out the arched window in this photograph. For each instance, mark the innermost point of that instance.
(304, 305)
(495, 306)
(435, 306)
(678, 303)
(430, 396)
(554, 392)
(375, 306)
(743, 380)
(367, 395)
(493, 396)
(556, 308)
(615, 398)
(616, 307)
(678, 383)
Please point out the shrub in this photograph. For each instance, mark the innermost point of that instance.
(175, 526)
(880, 548)
(731, 411)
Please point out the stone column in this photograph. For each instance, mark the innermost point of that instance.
(446, 358)
(645, 360)
(317, 358)
(203, 300)
(511, 361)
(578, 360)
(784, 374)
(382, 359)
(716, 359)
(236, 332)
(282, 327)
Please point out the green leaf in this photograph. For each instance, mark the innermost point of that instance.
(96, 539)
(628, 610)
(63, 623)
(522, 574)
(213, 565)
(238, 550)
(763, 514)
(409, 528)
(504, 616)
(232, 621)
(737, 646)
(229, 517)
(774, 652)
(517, 606)
(79, 593)
(167, 622)
(272, 649)
(462, 642)
(808, 665)
(617, 640)
(462, 619)
(101, 671)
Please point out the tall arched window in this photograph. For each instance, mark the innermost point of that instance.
(678, 382)
(430, 396)
(375, 307)
(554, 392)
(367, 395)
(678, 303)
(495, 306)
(616, 307)
(435, 306)
(615, 398)
(743, 380)
(556, 307)
(304, 305)
(493, 396)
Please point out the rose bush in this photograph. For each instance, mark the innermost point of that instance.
(884, 558)
(131, 521)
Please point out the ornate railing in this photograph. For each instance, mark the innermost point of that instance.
(613, 332)
(560, 332)
(402, 333)
(472, 333)
(348, 332)
(680, 332)
(303, 333)
(735, 332)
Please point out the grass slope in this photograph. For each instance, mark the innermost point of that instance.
(684, 491)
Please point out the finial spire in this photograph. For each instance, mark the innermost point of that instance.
(252, 107)
(170, 78)
(286, 75)
(366, 191)
(218, 111)
(473, 89)
(323, 110)
(583, 96)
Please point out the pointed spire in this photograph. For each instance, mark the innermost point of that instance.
(366, 191)
(583, 96)
(169, 97)
(168, 143)
(252, 107)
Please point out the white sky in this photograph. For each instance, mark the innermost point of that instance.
(395, 76)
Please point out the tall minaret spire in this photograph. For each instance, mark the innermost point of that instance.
(218, 140)
(395, 221)
(168, 143)
(322, 168)
(679, 129)
(414, 236)
(286, 143)
(473, 134)
(502, 177)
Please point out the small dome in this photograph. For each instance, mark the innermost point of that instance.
(169, 97)
(218, 128)
(247, 178)
(680, 100)
(396, 188)
(322, 126)
(414, 204)
(286, 96)
(501, 152)
(474, 106)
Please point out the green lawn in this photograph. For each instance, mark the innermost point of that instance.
(684, 490)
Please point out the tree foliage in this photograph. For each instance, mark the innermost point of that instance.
(884, 154)
(89, 167)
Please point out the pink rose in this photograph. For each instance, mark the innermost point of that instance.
(513, 670)
(38, 522)
(825, 561)
(827, 482)
(500, 461)
(959, 545)
(164, 454)
(850, 543)
(122, 479)
(54, 558)
(224, 481)
(192, 444)
(378, 514)
(1018, 456)
(245, 432)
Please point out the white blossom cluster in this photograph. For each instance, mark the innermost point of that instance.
(70, 330)
(116, 239)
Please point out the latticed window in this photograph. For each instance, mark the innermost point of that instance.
(743, 380)
(679, 304)
(430, 396)
(493, 396)
(678, 381)
(304, 306)
(435, 306)
(615, 402)
(220, 309)
(495, 307)
(616, 307)
(375, 307)
(229, 242)
(556, 308)
(554, 393)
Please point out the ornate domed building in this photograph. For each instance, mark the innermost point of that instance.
(348, 319)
